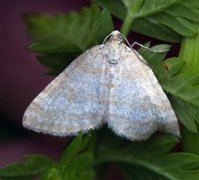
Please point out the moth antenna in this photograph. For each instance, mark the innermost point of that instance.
(141, 45)
(125, 40)
(107, 38)
(121, 35)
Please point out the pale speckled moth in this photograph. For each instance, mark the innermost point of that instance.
(108, 83)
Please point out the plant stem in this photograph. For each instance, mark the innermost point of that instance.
(126, 26)
(132, 11)
(189, 52)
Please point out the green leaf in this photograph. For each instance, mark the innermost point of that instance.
(155, 146)
(75, 163)
(174, 81)
(181, 85)
(189, 53)
(175, 166)
(180, 25)
(34, 165)
(185, 166)
(155, 30)
(72, 33)
(81, 162)
(72, 163)
(187, 113)
(159, 145)
(173, 66)
(51, 173)
(76, 146)
(163, 19)
(61, 38)
(154, 55)
(184, 89)
(171, 76)
(80, 167)
(57, 62)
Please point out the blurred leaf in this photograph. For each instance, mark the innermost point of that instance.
(34, 165)
(132, 171)
(51, 173)
(72, 33)
(162, 19)
(19, 178)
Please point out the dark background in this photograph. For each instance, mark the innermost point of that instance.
(22, 78)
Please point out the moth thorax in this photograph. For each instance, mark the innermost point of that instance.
(114, 54)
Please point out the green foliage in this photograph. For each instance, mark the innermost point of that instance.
(77, 160)
(152, 155)
(74, 32)
(56, 62)
(178, 83)
(60, 38)
(75, 163)
(167, 20)
(189, 53)
(182, 89)
(34, 165)
(184, 102)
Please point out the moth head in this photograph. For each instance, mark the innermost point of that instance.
(114, 36)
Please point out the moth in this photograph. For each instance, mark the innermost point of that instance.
(109, 83)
